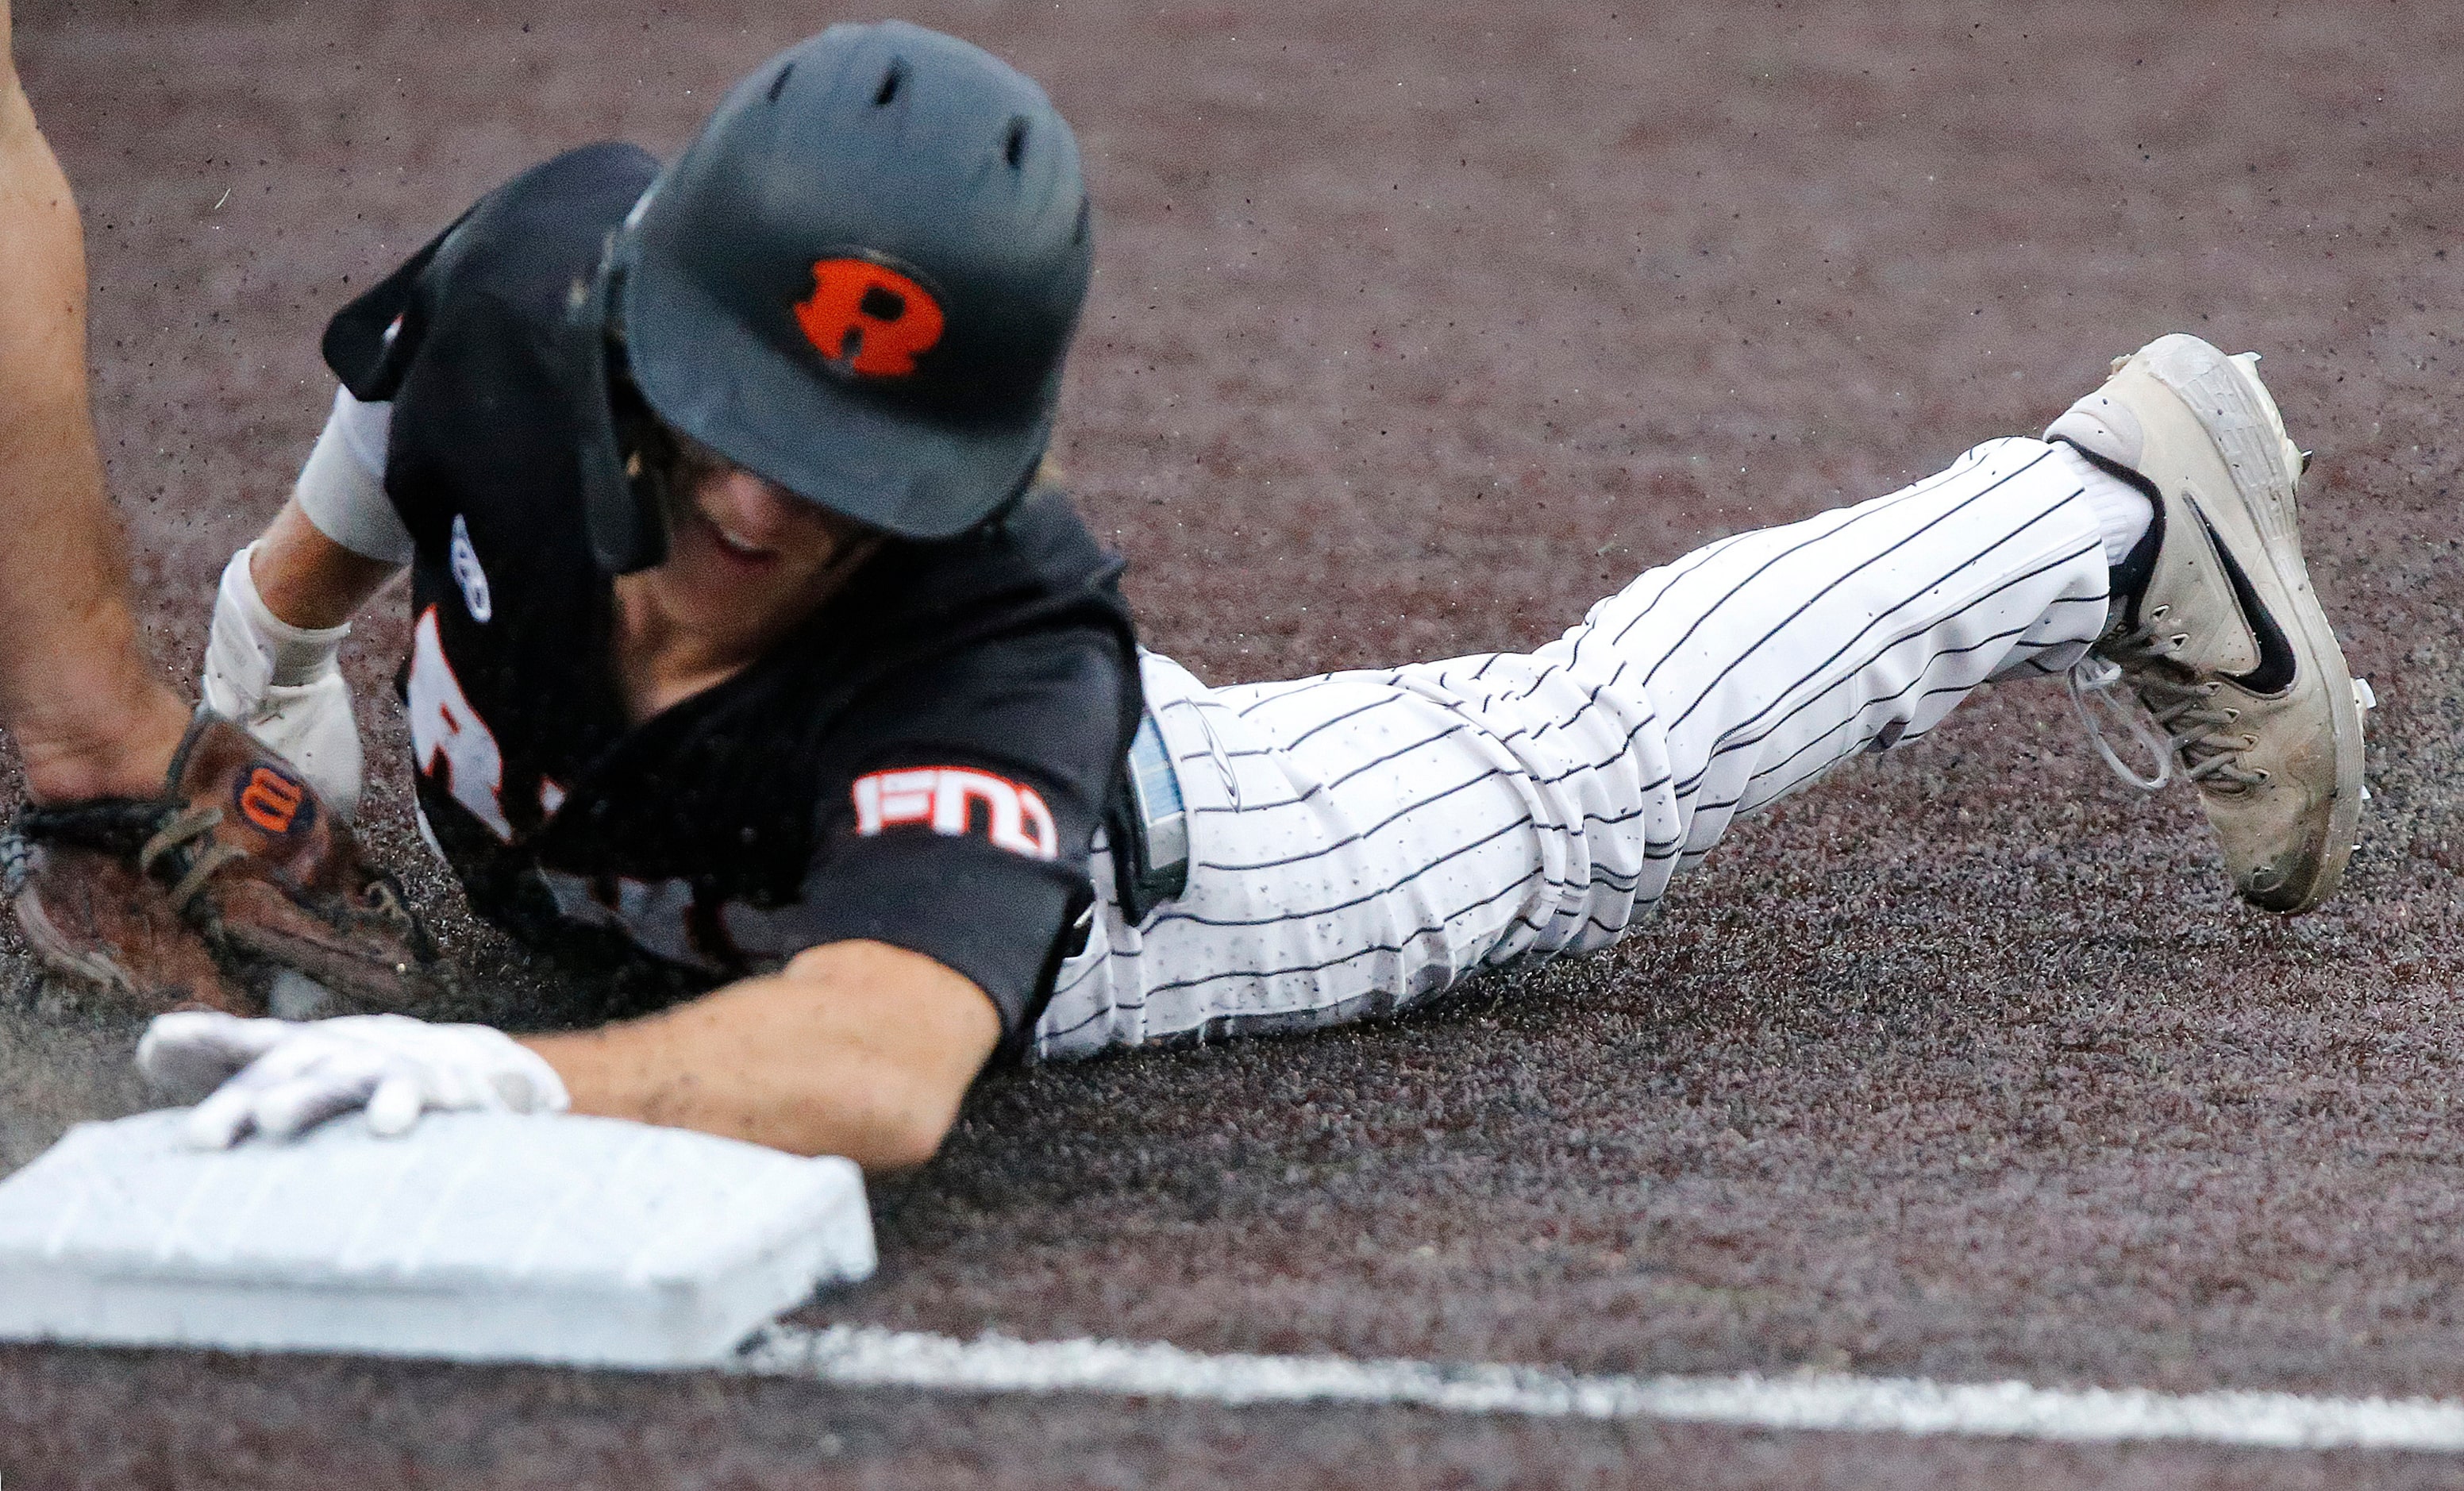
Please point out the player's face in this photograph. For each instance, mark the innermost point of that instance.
(745, 556)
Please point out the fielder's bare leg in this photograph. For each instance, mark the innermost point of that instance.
(90, 716)
(100, 733)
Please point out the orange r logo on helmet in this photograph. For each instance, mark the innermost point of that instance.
(270, 799)
(868, 319)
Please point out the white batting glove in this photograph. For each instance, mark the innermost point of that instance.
(284, 685)
(280, 1078)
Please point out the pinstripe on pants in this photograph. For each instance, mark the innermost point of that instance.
(1360, 841)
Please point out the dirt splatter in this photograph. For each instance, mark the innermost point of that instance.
(1414, 329)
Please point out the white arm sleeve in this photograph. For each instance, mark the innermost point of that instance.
(341, 489)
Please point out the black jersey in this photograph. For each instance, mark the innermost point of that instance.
(922, 762)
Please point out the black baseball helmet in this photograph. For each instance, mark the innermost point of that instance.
(860, 281)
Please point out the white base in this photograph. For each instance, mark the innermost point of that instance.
(476, 1236)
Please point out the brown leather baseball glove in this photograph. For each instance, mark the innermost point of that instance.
(92, 919)
(238, 850)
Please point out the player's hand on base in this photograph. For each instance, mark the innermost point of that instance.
(284, 685)
(280, 1078)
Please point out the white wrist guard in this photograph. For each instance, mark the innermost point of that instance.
(283, 683)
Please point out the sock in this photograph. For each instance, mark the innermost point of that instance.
(2123, 511)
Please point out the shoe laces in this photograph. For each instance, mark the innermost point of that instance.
(16, 862)
(180, 829)
(2187, 727)
(380, 897)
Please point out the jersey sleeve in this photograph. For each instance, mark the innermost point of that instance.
(958, 820)
(341, 489)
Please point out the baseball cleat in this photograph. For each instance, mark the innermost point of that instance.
(2226, 642)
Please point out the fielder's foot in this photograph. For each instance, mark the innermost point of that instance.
(2224, 642)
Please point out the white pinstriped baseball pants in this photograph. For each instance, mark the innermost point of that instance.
(1360, 841)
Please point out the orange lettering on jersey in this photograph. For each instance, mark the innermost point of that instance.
(868, 319)
(944, 799)
(270, 799)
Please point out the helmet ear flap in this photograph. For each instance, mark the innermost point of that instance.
(624, 454)
(646, 448)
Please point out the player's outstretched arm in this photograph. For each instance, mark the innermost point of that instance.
(854, 1048)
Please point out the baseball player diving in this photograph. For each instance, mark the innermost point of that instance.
(756, 669)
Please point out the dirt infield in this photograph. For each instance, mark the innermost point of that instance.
(1413, 333)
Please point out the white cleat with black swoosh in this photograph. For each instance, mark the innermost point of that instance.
(2226, 642)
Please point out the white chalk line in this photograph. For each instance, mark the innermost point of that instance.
(872, 1357)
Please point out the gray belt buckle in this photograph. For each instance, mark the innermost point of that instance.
(1156, 866)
